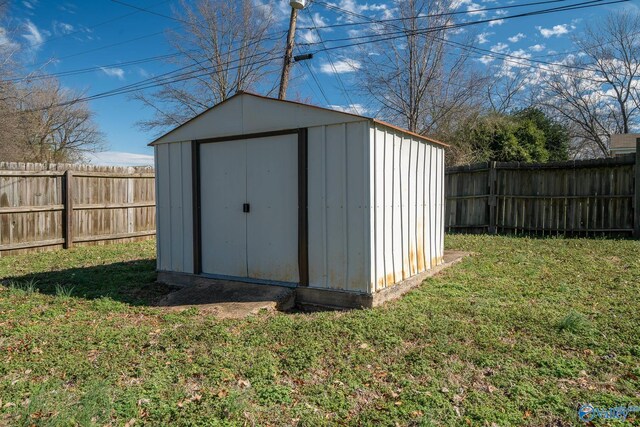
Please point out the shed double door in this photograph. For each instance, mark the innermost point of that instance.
(249, 208)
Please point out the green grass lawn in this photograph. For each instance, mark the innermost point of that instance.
(518, 334)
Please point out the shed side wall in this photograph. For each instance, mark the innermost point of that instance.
(174, 207)
(339, 207)
(407, 200)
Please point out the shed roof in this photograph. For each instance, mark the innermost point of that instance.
(296, 114)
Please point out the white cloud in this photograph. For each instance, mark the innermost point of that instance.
(537, 47)
(557, 30)
(317, 20)
(497, 22)
(472, 9)
(356, 7)
(355, 33)
(309, 36)
(499, 48)
(341, 66)
(358, 109)
(521, 62)
(486, 59)
(275, 11)
(62, 27)
(5, 41)
(113, 72)
(501, 12)
(119, 158)
(517, 38)
(33, 35)
(28, 4)
(483, 38)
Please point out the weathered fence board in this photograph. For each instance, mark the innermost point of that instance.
(583, 198)
(54, 206)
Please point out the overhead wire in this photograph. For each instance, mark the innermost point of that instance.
(317, 28)
(85, 28)
(146, 84)
(403, 33)
(468, 47)
(78, 71)
(424, 32)
(432, 15)
(333, 67)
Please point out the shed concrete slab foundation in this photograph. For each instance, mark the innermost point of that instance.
(224, 299)
(230, 299)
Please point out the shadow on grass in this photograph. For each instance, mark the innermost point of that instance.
(134, 283)
(131, 282)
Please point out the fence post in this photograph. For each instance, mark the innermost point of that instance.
(130, 199)
(636, 185)
(67, 213)
(493, 202)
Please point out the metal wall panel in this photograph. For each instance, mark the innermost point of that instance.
(223, 183)
(272, 223)
(407, 199)
(174, 207)
(441, 211)
(263, 242)
(339, 207)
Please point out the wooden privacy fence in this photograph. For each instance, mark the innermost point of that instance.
(598, 197)
(54, 206)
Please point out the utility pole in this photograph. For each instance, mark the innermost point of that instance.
(288, 53)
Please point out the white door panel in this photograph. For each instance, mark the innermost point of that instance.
(223, 188)
(263, 243)
(272, 224)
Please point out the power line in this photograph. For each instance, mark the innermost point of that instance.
(138, 9)
(391, 36)
(404, 33)
(117, 18)
(270, 37)
(162, 15)
(80, 71)
(503, 56)
(142, 86)
(90, 69)
(333, 67)
(315, 79)
(385, 21)
(362, 43)
(73, 55)
(434, 15)
(114, 92)
(189, 75)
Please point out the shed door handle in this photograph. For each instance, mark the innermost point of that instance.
(246, 208)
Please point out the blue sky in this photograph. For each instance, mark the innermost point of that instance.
(59, 36)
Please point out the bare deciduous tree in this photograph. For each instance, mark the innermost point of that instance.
(599, 96)
(509, 91)
(55, 125)
(40, 120)
(224, 49)
(420, 79)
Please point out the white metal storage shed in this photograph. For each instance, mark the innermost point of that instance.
(341, 207)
